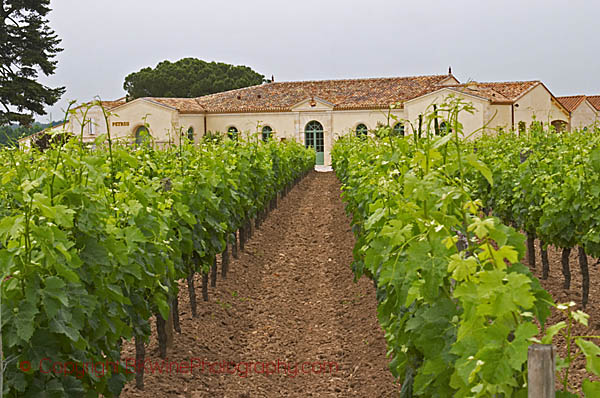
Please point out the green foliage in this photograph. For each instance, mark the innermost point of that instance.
(457, 306)
(548, 184)
(93, 243)
(27, 47)
(189, 78)
(586, 347)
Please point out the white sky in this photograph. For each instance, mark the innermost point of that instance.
(486, 40)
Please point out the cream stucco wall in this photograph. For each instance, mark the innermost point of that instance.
(583, 116)
(291, 125)
(424, 104)
(162, 121)
(499, 116)
(249, 124)
(345, 122)
(537, 104)
(195, 121)
(93, 126)
(125, 119)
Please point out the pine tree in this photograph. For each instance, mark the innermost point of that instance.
(27, 47)
(189, 78)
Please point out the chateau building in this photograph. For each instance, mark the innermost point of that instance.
(584, 110)
(317, 112)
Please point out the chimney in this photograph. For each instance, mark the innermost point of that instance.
(272, 79)
(449, 70)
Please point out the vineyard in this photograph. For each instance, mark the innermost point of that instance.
(102, 249)
(94, 242)
(438, 224)
(547, 185)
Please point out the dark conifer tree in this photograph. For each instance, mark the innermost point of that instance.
(189, 78)
(27, 47)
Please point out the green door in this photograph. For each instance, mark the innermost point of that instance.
(313, 138)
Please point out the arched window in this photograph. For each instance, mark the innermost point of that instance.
(559, 126)
(361, 131)
(190, 134)
(142, 135)
(232, 133)
(399, 129)
(266, 133)
(444, 128)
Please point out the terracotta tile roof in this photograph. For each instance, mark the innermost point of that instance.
(479, 91)
(375, 93)
(511, 90)
(183, 105)
(107, 105)
(595, 101)
(113, 104)
(497, 92)
(571, 102)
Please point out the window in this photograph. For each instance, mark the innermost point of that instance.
(444, 128)
(399, 129)
(560, 126)
(522, 126)
(267, 132)
(190, 134)
(142, 135)
(232, 133)
(361, 131)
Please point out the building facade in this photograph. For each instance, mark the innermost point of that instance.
(583, 112)
(317, 112)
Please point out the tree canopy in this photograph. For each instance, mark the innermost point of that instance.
(27, 47)
(189, 78)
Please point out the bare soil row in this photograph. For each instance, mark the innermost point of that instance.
(288, 321)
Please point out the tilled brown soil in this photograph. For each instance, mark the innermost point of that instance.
(288, 319)
(554, 285)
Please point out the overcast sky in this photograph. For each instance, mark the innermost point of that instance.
(105, 40)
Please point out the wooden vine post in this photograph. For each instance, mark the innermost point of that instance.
(565, 267)
(540, 371)
(545, 262)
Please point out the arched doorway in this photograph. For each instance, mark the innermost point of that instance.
(560, 126)
(313, 138)
(142, 135)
